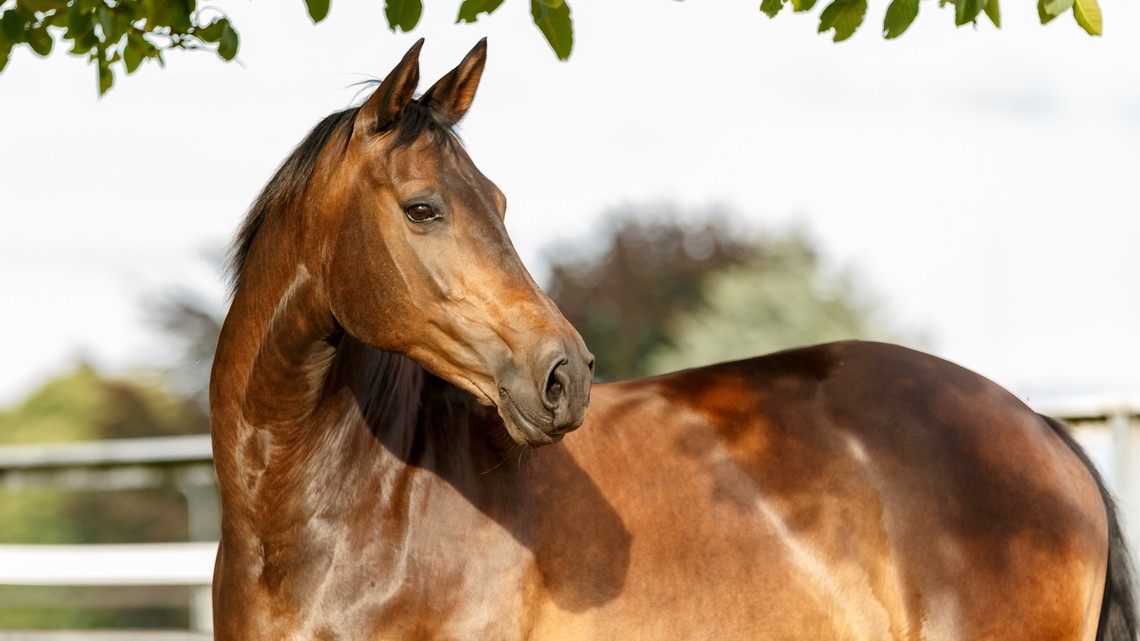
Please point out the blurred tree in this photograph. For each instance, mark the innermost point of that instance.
(778, 299)
(191, 323)
(129, 32)
(83, 405)
(657, 293)
(649, 265)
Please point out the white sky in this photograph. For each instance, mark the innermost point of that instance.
(984, 184)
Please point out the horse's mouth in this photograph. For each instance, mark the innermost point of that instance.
(523, 429)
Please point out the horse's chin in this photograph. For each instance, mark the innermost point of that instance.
(523, 431)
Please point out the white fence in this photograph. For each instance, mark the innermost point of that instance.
(184, 463)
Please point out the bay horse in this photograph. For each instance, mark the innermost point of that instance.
(388, 370)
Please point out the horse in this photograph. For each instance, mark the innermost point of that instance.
(391, 400)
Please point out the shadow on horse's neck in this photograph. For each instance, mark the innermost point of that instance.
(309, 419)
(418, 418)
(542, 498)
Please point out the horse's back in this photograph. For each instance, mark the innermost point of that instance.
(850, 490)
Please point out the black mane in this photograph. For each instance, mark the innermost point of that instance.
(292, 178)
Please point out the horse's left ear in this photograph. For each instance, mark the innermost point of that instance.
(393, 94)
(451, 97)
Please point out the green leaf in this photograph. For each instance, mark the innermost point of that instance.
(39, 40)
(470, 9)
(43, 6)
(553, 4)
(134, 53)
(106, 76)
(800, 6)
(318, 9)
(11, 28)
(228, 43)
(900, 14)
(180, 11)
(1057, 7)
(771, 7)
(171, 13)
(133, 11)
(403, 15)
(993, 11)
(119, 28)
(105, 21)
(556, 25)
(84, 43)
(966, 11)
(844, 16)
(213, 31)
(77, 22)
(1044, 15)
(1087, 13)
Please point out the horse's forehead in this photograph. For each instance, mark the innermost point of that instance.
(427, 159)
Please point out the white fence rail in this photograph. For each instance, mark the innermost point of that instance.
(189, 564)
(184, 463)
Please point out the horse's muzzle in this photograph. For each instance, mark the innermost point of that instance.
(540, 408)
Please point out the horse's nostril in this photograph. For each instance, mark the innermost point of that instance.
(555, 386)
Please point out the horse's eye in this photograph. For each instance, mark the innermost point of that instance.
(421, 213)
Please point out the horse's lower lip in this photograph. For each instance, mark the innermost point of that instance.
(523, 431)
(532, 436)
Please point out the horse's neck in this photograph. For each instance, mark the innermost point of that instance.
(303, 413)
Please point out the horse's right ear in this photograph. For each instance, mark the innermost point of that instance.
(393, 94)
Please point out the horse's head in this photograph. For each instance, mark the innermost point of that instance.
(418, 261)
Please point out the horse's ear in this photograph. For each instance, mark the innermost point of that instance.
(451, 97)
(393, 94)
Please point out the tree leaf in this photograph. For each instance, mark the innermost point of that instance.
(966, 11)
(844, 16)
(318, 9)
(403, 15)
(85, 43)
(39, 40)
(180, 12)
(132, 56)
(78, 22)
(43, 6)
(1057, 7)
(5, 53)
(228, 43)
(106, 76)
(470, 9)
(900, 14)
(11, 28)
(1087, 13)
(553, 4)
(213, 31)
(556, 25)
(1044, 15)
(106, 23)
(771, 7)
(993, 11)
(800, 6)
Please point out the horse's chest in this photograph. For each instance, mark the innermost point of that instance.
(443, 578)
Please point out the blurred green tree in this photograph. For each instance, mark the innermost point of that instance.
(780, 298)
(656, 292)
(84, 405)
(648, 263)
